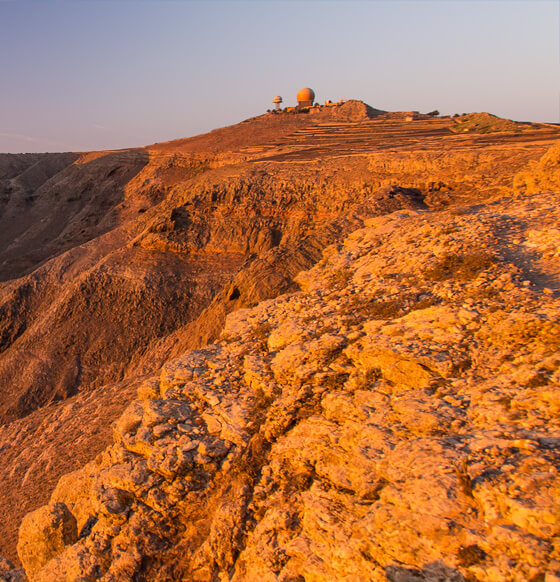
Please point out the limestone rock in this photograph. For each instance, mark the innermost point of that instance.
(393, 420)
(44, 534)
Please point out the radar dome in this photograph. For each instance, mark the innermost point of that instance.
(305, 95)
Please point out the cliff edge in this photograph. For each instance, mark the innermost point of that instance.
(395, 419)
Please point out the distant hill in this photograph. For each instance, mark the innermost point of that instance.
(488, 123)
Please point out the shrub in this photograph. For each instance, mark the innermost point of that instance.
(340, 279)
(470, 555)
(260, 334)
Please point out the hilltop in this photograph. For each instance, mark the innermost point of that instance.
(115, 264)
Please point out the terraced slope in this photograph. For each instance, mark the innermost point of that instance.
(331, 139)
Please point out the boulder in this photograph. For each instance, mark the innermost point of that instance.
(44, 534)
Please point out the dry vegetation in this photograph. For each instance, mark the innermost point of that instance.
(463, 267)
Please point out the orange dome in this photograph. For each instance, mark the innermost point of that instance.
(306, 94)
(277, 99)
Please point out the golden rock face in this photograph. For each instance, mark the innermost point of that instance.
(306, 94)
(377, 357)
(428, 412)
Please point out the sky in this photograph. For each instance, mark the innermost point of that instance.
(80, 75)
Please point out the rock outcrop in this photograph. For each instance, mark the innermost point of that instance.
(44, 534)
(541, 176)
(113, 263)
(395, 419)
(351, 110)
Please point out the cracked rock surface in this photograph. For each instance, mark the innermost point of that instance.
(395, 419)
(113, 263)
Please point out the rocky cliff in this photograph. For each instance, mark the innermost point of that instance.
(115, 263)
(396, 419)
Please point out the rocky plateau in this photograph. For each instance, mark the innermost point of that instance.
(307, 347)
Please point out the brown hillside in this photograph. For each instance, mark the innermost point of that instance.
(114, 262)
(396, 419)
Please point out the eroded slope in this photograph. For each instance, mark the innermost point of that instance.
(143, 253)
(397, 419)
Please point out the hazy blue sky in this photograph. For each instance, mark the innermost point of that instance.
(93, 74)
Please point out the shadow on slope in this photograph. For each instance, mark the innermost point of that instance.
(52, 202)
